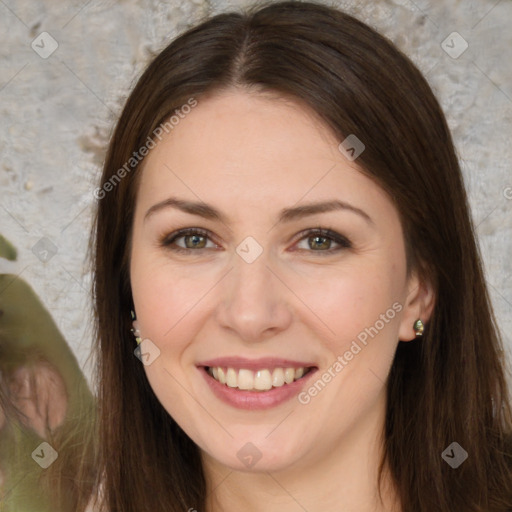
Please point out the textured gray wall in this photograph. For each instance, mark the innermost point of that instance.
(57, 112)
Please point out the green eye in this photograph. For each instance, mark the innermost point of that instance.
(322, 240)
(195, 239)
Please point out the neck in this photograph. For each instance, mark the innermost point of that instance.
(343, 479)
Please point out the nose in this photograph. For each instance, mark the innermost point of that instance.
(254, 302)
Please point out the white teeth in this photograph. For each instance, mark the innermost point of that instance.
(278, 377)
(261, 380)
(231, 378)
(245, 379)
(289, 375)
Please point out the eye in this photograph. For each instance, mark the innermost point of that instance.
(320, 240)
(194, 238)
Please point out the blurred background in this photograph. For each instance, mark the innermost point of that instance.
(67, 67)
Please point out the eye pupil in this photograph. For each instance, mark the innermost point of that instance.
(194, 243)
(325, 245)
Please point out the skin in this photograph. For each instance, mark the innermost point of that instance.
(250, 155)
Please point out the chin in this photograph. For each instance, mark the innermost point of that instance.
(257, 456)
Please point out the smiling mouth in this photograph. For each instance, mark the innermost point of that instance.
(259, 380)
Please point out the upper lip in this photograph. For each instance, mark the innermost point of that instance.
(254, 364)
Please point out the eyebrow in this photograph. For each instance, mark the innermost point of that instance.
(286, 215)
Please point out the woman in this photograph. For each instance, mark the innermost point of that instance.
(267, 376)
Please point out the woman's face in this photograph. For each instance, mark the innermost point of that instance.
(253, 296)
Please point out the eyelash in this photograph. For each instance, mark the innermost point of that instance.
(168, 240)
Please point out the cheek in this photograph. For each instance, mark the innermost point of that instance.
(167, 303)
(161, 300)
(360, 312)
(169, 300)
(349, 301)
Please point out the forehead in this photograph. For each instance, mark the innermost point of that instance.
(239, 149)
(234, 124)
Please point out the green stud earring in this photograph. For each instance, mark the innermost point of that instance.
(419, 327)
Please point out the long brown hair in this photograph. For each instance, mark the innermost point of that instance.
(450, 387)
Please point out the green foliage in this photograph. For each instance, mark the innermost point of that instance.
(7, 250)
(30, 337)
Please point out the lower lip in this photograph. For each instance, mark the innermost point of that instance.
(255, 400)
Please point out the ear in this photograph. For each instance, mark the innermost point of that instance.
(419, 304)
(39, 393)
